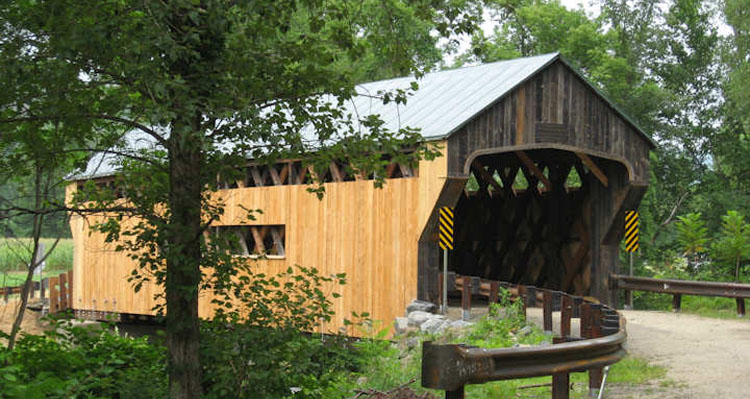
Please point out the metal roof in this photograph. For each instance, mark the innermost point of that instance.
(445, 101)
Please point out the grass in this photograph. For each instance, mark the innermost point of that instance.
(713, 307)
(15, 253)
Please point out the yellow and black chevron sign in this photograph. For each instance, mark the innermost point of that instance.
(445, 225)
(631, 231)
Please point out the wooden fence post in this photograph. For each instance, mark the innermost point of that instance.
(457, 394)
(54, 297)
(566, 312)
(6, 294)
(70, 289)
(466, 298)
(740, 307)
(63, 279)
(547, 299)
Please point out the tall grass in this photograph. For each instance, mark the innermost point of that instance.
(15, 253)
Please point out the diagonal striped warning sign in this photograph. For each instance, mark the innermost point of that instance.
(631, 231)
(445, 227)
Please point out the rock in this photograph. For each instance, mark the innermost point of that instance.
(526, 330)
(412, 342)
(459, 324)
(418, 317)
(432, 326)
(422, 306)
(402, 323)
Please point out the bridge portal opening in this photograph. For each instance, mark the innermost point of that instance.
(526, 217)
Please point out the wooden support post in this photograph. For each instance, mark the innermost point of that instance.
(63, 279)
(43, 285)
(676, 303)
(585, 325)
(628, 299)
(566, 312)
(740, 307)
(466, 298)
(54, 297)
(494, 291)
(577, 302)
(547, 298)
(6, 294)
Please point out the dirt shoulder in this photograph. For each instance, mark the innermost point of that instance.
(711, 357)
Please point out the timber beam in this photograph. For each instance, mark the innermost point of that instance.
(594, 168)
(531, 166)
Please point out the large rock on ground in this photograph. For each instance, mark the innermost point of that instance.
(417, 318)
(432, 326)
(422, 306)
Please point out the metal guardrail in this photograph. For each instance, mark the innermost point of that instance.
(599, 344)
(684, 287)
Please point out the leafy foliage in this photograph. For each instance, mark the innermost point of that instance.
(733, 243)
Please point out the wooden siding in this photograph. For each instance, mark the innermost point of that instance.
(370, 234)
(554, 106)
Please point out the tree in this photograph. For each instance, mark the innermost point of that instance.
(193, 76)
(692, 236)
(733, 242)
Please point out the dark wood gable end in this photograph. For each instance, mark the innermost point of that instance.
(556, 165)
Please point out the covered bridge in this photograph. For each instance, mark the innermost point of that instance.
(538, 164)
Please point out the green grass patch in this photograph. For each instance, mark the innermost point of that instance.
(16, 253)
(705, 306)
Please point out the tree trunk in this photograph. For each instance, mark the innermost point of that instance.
(32, 264)
(183, 260)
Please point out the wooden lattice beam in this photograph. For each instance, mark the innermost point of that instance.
(594, 168)
(531, 166)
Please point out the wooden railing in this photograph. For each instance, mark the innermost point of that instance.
(598, 344)
(57, 289)
(678, 288)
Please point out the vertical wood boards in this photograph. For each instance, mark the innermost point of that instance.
(555, 102)
(368, 233)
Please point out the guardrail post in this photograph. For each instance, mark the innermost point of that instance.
(577, 302)
(530, 296)
(457, 394)
(560, 381)
(494, 291)
(595, 331)
(566, 311)
(629, 299)
(6, 294)
(70, 289)
(676, 303)
(740, 307)
(585, 325)
(547, 298)
(43, 288)
(466, 298)
(522, 298)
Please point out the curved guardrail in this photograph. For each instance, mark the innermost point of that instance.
(598, 344)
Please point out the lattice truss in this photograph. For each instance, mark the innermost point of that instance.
(253, 240)
(296, 172)
(524, 217)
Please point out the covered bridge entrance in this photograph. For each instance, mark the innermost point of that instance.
(540, 181)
